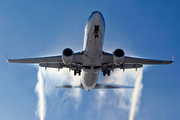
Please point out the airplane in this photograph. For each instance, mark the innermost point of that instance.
(92, 59)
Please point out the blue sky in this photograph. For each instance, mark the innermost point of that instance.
(42, 28)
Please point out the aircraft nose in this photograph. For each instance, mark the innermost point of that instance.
(98, 18)
(95, 18)
(97, 15)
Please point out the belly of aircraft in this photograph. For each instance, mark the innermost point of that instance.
(94, 33)
(89, 79)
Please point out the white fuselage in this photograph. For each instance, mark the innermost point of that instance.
(92, 58)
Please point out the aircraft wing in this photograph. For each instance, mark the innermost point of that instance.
(52, 61)
(130, 62)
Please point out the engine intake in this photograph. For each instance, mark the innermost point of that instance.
(67, 56)
(119, 53)
(118, 56)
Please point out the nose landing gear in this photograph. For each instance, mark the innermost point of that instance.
(77, 71)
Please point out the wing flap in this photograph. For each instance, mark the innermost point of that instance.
(77, 58)
(128, 66)
(61, 65)
(108, 58)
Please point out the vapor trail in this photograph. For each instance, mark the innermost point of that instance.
(136, 96)
(41, 109)
(53, 78)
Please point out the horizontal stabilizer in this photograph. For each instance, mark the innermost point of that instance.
(97, 86)
(70, 86)
(104, 86)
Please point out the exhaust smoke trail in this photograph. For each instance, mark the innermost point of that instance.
(41, 108)
(127, 99)
(52, 78)
(45, 87)
(136, 96)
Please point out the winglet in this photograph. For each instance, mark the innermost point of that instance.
(173, 58)
(7, 58)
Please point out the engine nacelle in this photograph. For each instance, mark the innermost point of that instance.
(118, 56)
(67, 56)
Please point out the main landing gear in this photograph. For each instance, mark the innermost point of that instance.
(106, 72)
(77, 71)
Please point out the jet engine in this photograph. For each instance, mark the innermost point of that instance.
(118, 56)
(67, 56)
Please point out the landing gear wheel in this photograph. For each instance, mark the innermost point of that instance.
(108, 72)
(74, 72)
(104, 73)
(79, 72)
